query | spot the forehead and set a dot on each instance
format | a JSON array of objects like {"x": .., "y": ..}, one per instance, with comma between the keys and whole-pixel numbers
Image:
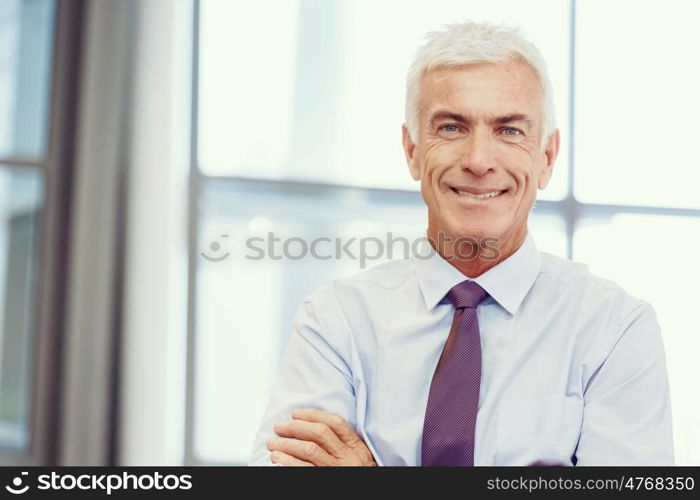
[{"x": 482, "y": 88}]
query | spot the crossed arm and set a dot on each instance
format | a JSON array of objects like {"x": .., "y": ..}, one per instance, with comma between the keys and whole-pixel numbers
[
  {"x": 316, "y": 437},
  {"x": 313, "y": 400}
]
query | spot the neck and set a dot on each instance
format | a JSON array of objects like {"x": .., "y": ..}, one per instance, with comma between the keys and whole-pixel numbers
[{"x": 473, "y": 256}]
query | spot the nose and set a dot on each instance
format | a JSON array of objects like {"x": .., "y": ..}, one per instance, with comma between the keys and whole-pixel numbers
[{"x": 478, "y": 154}]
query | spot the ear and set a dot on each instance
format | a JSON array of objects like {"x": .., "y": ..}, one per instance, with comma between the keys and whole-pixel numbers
[
  {"x": 551, "y": 151},
  {"x": 409, "y": 149}
]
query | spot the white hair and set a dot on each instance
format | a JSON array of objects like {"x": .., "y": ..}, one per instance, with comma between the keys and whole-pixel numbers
[{"x": 469, "y": 42}]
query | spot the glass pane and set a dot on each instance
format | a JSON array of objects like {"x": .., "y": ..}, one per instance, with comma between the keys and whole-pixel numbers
[
  {"x": 323, "y": 98},
  {"x": 248, "y": 290},
  {"x": 636, "y": 99},
  {"x": 549, "y": 233},
  {"x": 20, "y": 203},
  {"x": 26, "y": 33},
  {"x": 655, "y": 258}
]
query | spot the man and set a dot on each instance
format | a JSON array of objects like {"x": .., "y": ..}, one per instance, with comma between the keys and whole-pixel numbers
[{"x": 509, "y": 357}]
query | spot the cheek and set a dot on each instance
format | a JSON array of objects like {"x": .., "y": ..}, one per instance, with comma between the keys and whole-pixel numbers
[
  {"x": 437, "y": 161},
  {"x": 426, "y": 190},
  {"x": 525, "y": 178},
  {"x": 527, "y": 187},
  {"x": 427, "y": 178}
]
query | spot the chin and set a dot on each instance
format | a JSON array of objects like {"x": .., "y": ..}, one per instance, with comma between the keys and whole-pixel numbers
[{"x": 477, "y": 231}]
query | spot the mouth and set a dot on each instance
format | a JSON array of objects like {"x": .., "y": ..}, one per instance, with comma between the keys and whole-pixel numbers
[{"x": 478, "y": 194}]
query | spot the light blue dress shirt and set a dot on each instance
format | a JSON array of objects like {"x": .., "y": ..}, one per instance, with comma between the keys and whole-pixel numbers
[{"x": 573, "y": 367}]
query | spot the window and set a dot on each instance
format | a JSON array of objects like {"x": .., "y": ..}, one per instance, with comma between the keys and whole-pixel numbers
[
  {"x": 634, "y": 120},
  {"x": 20, "y": 206},
  {"x": 300, "y": 138},
  {"x": 26, "y": 38}
]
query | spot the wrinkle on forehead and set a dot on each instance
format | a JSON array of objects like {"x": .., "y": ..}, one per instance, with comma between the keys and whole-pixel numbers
[{"x": 514, "y": 84}]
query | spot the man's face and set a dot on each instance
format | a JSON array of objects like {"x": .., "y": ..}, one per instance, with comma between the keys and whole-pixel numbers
[{"x": 480, "y": 129}]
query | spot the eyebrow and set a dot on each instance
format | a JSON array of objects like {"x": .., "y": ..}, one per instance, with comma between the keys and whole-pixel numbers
[{"x": 498, "y": 120}]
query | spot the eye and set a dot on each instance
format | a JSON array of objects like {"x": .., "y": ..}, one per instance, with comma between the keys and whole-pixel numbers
[
  {"x": 511, "y": 131},
  {"x": 450, "y": 128}
]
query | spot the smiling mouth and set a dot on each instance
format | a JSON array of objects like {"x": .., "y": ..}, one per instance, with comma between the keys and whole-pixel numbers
[{"x": 479, "y": 196}]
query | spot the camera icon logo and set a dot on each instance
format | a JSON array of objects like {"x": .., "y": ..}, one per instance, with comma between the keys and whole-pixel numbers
[{"x": 17, "y": 483}]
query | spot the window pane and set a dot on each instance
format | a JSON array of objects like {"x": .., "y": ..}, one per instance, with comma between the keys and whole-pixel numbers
[
  {"x": 26, "y": 33},
  {"x": 246, "y": 302},
  {"x": 655, "y": 258},
  {"x": 20, "y": 202},
  {"x": 549, "y": 233},
  {"x": 323, "y": 98},
  {"x": 636, "y": 99}
]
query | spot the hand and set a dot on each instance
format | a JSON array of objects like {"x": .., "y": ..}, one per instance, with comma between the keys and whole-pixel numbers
[{"x": 316, "y": 437}]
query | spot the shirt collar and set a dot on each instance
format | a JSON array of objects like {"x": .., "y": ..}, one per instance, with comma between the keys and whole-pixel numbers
[{"x": 507, "y": 282}]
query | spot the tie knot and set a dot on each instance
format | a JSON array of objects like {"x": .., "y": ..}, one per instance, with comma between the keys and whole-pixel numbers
[{"x": 466, "y": 294}]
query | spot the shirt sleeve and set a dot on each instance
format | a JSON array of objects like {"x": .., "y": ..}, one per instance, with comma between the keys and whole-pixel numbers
[
  {"x": 627, "y": 408},
  {"x": 314, "y": 374}
]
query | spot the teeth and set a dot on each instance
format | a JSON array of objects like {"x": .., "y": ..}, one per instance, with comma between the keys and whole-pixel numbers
[{"x": 492, "y": 194}]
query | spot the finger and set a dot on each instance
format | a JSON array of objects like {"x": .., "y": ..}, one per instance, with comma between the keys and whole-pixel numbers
[
  {"x": 319, "y": 433},
  {"x": 336, "y": 423},
  {"x": 307, "y": 451},
  {"x": 279, "y": 457}
]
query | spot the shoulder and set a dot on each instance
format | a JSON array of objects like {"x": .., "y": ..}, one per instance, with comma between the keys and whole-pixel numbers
[
  {"x": 574, "y": 287},
  {"x": 347, "y": 296},
  {"x": 381, "y": 277},
  {"x": 575, "y": 277}
]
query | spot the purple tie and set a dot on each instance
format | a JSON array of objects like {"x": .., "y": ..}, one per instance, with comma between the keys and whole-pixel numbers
[{"x": 453, "y": 401}]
